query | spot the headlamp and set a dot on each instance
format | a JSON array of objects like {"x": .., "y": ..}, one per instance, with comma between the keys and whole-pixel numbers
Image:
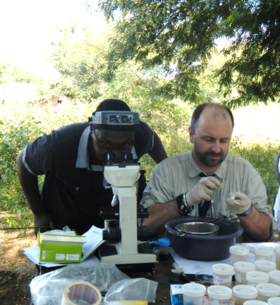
[{"x": 116, "y": 118}]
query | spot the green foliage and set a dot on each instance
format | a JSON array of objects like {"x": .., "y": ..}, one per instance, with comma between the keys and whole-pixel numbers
[
  {"x": 170, "y": 120},
  {"x": 78, "y": 57},
  {"x": 179, "y": 37},
  {"x": 261, "y": 155},
  {"x": 12, "y": 73}
]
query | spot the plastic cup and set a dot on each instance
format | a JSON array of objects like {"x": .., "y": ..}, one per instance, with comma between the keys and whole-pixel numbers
[
  {"x": 164, "y": 244},
  {"x": 193, "y": 293},
  {"x": 242, "y": 293},
  {"x": 273, "y": 301},
  {"x": 256, "y": 277},
  {"x": 222, "y": 274},
  {"x": 254, "y": 302},
  {"x": 265, "y": 266},
  {"x": 238, "y": 254},
  {"x": 277, "y": 256},
  {"x": 263, "y": 253},
  {"x": 267, "y": 290},
  {"x": 219, "y": 295},
  {"x": 274, "y": 277},
  {"x": 241, "y": 269}
]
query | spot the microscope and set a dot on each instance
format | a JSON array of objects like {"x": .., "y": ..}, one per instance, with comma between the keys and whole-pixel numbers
[
  {"x": 123, "y": 232},
  {"x": 126, "y": 240}
]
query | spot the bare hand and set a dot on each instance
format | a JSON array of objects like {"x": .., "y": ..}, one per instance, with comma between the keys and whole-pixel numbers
[{"x": 43, "y": 222}]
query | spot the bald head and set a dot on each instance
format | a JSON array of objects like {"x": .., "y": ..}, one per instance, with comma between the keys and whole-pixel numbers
[
  {"x": 211, "y": 111},
  {"x": 210, "y": 133}
]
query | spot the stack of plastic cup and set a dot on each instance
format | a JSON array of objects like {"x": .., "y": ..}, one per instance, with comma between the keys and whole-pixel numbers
[
  {"x": 222, "y": 274},
  {"x": 267, "y": 290},
  {"x": 273, "y": 301},
  {"x": 242, "y": 293},
  {"x": 265, "y": 266},
  {"x": 241, "y": 269},
  {"x": 263, "y": 253},
  {"x": 277, "y": 256},
  {"x": 274, "y": 277},
  {"x": 219, "y": 295},
  {"x": 238, "y": 254},
  {"x": 254, "y": 302},
  {"x": 256, "y": 277},
  {"x": 193, "y": 293}
]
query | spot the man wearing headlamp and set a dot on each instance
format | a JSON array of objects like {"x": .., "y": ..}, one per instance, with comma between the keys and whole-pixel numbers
[{"x": 72, "y": 158}]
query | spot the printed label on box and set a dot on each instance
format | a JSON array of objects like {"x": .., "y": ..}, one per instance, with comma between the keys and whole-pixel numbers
[
  {"x": 72, "y": 257},
  {"x": 60, "y": 257}
]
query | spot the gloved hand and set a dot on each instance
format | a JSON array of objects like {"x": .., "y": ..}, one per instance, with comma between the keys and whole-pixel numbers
[
  {"x": 238, "y": 203},
  {"x": 203, "y": 190}
]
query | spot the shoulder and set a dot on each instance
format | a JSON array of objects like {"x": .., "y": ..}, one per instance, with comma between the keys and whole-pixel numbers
[
  {"x": 71, "y": 130},
  {"x": 58, "y": 137},
  {"x": 68, "y": 133},
  {"x": 179, "y": 161},
  {"x": 143, "y": 129},
  {"x": 230, "y": 159},
  {"x": 239, "y": 163}
]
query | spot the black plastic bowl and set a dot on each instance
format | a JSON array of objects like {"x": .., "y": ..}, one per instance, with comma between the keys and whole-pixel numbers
[{"x": 203, "y": 247}]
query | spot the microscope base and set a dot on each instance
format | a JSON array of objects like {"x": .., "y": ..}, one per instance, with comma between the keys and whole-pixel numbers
[{"x": 144, "y": 259}]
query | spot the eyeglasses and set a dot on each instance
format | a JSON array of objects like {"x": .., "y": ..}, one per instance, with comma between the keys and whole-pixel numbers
[{"x": 125, "y": 147}]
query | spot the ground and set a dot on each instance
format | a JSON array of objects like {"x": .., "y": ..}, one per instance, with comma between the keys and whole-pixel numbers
[{"x": 16, "y": 270}]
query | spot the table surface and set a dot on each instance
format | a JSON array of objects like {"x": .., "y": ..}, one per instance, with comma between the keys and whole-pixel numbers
[{"x": 160, "y": 274}]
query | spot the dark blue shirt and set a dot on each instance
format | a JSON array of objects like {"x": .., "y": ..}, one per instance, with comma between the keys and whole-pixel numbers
[{"x": 73, "y": 189}]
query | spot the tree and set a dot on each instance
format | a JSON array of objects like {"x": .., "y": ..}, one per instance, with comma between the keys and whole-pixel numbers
[
  {"x": 78, "y": 58},
  {"x": 180, "y": 36},
  {"x": 12, "y": 73}
]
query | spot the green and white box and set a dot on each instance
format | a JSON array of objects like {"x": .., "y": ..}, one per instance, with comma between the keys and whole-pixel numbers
[{"x": 60, "y": 248}]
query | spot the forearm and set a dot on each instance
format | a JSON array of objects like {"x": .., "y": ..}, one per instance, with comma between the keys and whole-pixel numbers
[
  {"x": 257, "y": 225},
  {"x": 29, "y": 184},
  {"x": 159, "y": 214}
]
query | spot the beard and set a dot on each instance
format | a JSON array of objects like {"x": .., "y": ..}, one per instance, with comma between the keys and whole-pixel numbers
[{"x": 203, "y": 157}]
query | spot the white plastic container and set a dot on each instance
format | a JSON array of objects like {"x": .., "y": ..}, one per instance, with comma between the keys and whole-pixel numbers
[
  {"x": 256, "y": 277},
  {"x": 242, "y": 293},
  {"x": 219, "y": 295},
  {"x": 274, "y": 277},
  {"x": 265, "y": 266},
  {"x": 241, "y": 269},
  {"x": 267, "y": 290},
  {"x": 273, "y": 301},
  {"x": 222, "y": 274},
  {"x": 277, "y": 256},
  {"x": 238, "y": 254},
  {"x": 193, "y": 293},
  {"x": 263, "y": 252},
  {"x": 254, "y": 302}
]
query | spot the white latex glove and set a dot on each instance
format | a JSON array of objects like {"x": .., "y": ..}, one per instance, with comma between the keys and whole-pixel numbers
[
  {"x": 203, "y": 190},
  {"x": 238, "y": 203}
]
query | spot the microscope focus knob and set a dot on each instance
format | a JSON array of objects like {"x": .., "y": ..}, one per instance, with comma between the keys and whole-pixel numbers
[{"x": 112, "y": 235}]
